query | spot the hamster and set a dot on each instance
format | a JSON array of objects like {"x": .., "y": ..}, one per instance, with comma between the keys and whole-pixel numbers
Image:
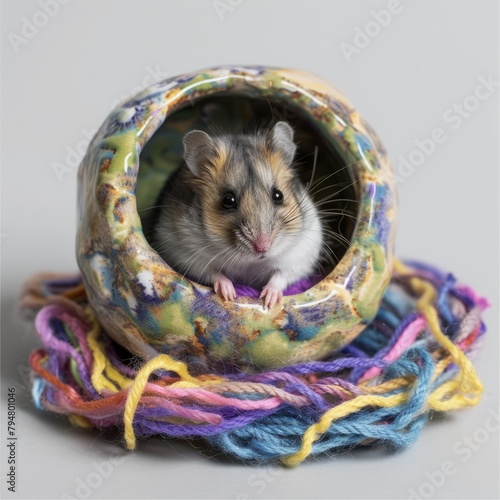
[{"x": 236, "y": 212}]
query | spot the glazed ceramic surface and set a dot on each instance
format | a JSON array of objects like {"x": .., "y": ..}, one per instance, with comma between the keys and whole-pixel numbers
[{"x": 148, "y": 308}]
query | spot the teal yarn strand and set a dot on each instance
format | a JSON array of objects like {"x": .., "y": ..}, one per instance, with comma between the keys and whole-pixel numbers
[{"x": 395, "y": 428}]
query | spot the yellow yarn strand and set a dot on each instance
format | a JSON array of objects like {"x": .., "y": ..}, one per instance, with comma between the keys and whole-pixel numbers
[
  {"x": 463, "y": 390},
  {"x": 314, "y": 432},
  {"x": 115, "y": 376},
  {"x": 160, "y": 362},
  {"x": 99, "y": 381},
  {"x": 80, "y": 421},
  {"x": 103, "y": 372},
  {"x": 386, "y": 387}
]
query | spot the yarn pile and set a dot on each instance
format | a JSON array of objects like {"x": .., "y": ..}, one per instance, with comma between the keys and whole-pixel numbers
[{"x": 411, "y": 360}]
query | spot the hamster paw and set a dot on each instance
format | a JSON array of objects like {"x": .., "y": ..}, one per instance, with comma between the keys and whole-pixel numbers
[
  {"x": 272, "y": 295},
  {"x": 224, "y": 287}
]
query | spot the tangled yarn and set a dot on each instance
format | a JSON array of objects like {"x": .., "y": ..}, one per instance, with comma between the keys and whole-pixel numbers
[{"x": 380, "y": 389}]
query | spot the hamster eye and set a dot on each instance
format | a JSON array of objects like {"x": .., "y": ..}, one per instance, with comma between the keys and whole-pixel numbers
[
  {"x": 229, "y": 201},
  {"x": 277, "y": 196}
]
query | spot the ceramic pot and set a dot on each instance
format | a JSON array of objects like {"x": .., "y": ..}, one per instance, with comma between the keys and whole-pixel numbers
[{"x": 147, "y": 307}]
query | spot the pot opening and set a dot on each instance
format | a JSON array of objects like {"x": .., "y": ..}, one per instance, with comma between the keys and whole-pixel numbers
[{"x": 333, "y": 188}]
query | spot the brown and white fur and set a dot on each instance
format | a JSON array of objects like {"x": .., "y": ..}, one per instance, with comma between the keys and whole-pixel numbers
[{"x": 269, "y": 238}]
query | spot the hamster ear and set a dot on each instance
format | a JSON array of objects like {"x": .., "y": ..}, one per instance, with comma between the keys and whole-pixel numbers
[
  {"x": 281, "y": 139},
  {"x": 198, "y": 149}
]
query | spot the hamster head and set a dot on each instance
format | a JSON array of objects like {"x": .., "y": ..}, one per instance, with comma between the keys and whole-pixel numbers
[{"x": 246, "y": 190}]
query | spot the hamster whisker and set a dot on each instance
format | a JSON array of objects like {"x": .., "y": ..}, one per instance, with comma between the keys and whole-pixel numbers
[
  {"x": 288, "y": 221},
  {"x": 216, "y": 256},
  {"x": 300, "y": 160},
  {"x": 315, "y": 161},
  {"x": 323, "y": 179},
  {"x": 177, "y": 200},
  {"x": 230, "y": 262},
  {"x": 330, "y": 259},
  {"x": 305, "y": 196},
  {"x": 295, "y": 211},
  {"x": 337, "y": 242},
  {"x": 187, "y": 265},
  {"x": 168, "y": 240},
  {"x": 195, "y": 254},
  {"x": 347, "y": 200},
  {"x": 348, "y": 185},
  {"x": 191, "y": 259},
  {"x": 159, "y": 206},
  {"x": 292, "y": 216},
  {"x": 336, "y": 216},
  {"x": 334, "y": 212},
  {"x": 338, "y": 237},
  {"x": 182, "y": 230},
  {"x": 326, "y": 255},
  {"x": 151, "y": 208},
  {"x": 330, "y": 199},
  {"x": 333, "y": 207},
  {"x": 332, "y": 204}
]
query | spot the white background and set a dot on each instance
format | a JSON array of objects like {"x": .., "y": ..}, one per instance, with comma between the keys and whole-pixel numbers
[{"x": 58, "y": 85}]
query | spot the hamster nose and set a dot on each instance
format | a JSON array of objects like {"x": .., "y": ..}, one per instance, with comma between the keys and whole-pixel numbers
[{"x": 262, "y": 243}]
